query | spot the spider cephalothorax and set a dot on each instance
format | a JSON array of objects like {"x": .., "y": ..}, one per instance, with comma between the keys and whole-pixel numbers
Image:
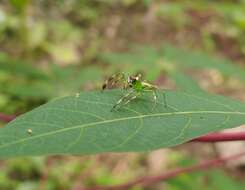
[
  {"x": 134, "y": 84},
  {"x": 132, "y": 80}
]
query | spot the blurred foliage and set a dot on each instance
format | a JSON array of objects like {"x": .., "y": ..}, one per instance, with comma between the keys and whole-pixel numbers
[
  {"x": 173, "y": 62},
  {"x": 60, "y": 47},
  {"x": 58, "y": 173},
  {"x": 213, "y": 179}
]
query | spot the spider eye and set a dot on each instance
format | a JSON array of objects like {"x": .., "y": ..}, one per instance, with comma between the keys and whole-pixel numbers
[{"x": 132, "y": 80}]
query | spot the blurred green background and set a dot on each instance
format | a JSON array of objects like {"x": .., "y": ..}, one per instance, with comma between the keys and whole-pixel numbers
[{"x": 56, "y": 48}]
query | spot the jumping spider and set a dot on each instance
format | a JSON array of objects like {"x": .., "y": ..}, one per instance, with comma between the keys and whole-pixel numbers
[{"x": 134, "y": 84}]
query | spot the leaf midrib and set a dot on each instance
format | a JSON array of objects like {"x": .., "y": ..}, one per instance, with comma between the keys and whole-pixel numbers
[{"x": 119, "y": 119}]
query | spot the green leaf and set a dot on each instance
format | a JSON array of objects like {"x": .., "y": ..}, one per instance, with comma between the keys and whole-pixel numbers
[
  {"x": 20, "y": 68},
  {"x": 19, "y": 4},
  {"x": 185, "y": 83},
  {"x": 219, "y": 180},
  {"x": 138, "y": 55},
  {"x": 140, "y": 58},
  {"x": 190, "y": 59},
  {"x": 37, "y": 89},
  {"x": 85, "y": 124}
]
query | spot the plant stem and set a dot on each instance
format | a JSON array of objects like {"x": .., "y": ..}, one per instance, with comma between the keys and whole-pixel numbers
[
  {"x": 148, "y": 180},
  {"x": 221, "y": 137},
  {"x": 6, "y": 118}
]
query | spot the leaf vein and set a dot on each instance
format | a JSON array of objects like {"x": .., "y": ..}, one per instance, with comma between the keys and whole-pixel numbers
[{"x": 119, "y": 119}]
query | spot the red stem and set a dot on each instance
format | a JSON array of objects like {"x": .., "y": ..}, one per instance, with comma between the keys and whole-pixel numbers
[
  {"x": 148, "y": 180},
  {"x": 6, "y": 118},
  {"x": 221, "y": 137}
]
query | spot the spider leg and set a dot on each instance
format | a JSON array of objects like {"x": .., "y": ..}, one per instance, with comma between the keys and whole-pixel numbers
[
  {"x": 153, "y": 88},
  {"x": 165, "y": 100},
  {"x": 155, "y": 98},
  {"x": 125, "y": 100},
  {"x": 154, "y": 95},
  {"x": 121, "y": 100},
  {"x": 131, "y": 98}
]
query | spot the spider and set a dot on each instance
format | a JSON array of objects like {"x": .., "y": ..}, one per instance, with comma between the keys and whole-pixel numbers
[{"x": 134, "y": 84}]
